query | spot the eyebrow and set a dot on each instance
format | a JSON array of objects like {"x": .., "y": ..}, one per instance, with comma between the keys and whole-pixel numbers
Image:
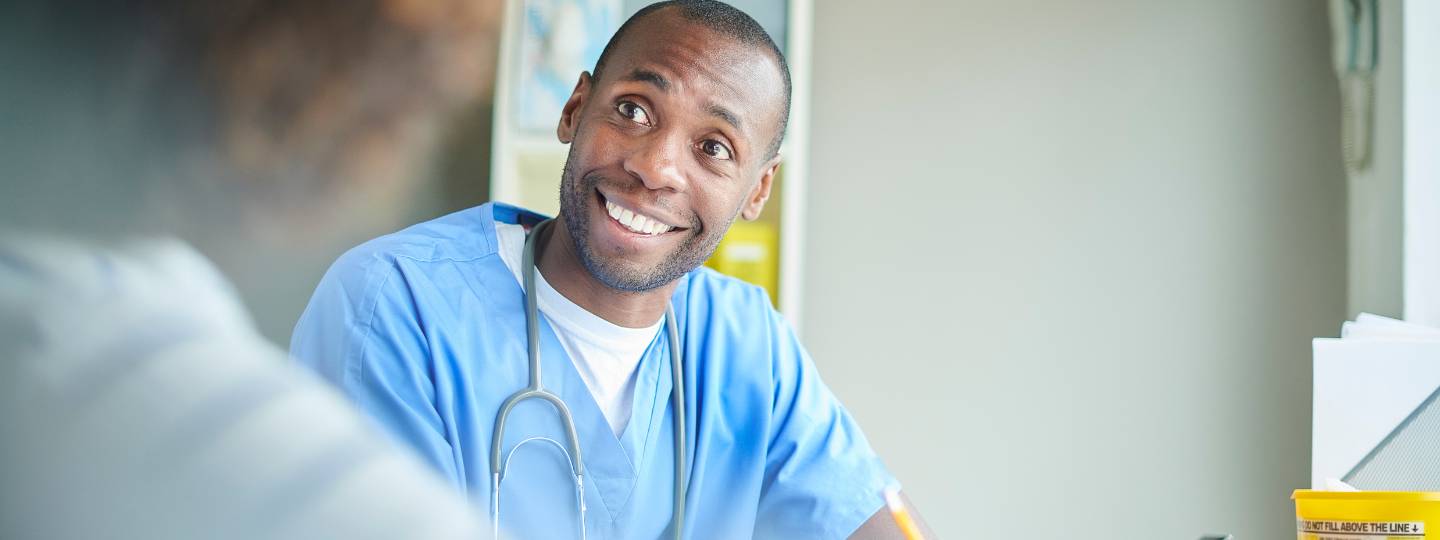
[
  {"x": 726, "y": 115},
  {"x": 647, "y": 76}
]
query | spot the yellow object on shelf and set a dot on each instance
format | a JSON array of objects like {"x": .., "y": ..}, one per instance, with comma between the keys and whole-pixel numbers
[
  {"x": 1367, "y": 515},
  {"x": 750, "y": 251}
]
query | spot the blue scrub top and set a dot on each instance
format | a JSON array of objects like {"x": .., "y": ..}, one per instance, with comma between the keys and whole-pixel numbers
[{"x": 425, "y": 330}]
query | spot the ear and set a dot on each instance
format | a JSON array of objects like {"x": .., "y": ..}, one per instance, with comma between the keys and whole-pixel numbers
[
  {"x": 755, "y": 201},
  {"x": 570, "y": 114}
]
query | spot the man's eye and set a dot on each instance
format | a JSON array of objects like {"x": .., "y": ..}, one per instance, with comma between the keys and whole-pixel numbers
[
  {"x": 714, "y": 149},
  {"x": 634, "y": 112}
]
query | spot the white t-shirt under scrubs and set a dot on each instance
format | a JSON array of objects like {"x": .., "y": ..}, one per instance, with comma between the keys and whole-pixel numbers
[{"x": 607, "y": 355}]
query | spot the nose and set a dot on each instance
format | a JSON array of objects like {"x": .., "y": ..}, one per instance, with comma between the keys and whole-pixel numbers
[{"x": 656, "y": 161}]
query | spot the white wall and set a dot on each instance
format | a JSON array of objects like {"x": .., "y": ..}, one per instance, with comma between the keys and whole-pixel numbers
[
  {"x": 1422, "y": 164},
  {"x": 1065, "y": 259},
  {"x": 1375, "y": 200}
]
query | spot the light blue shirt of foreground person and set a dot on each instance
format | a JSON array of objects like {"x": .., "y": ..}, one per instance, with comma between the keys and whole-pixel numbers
[{"x": 425, "y": 330}]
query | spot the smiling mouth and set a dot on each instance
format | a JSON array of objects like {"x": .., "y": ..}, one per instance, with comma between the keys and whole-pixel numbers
[{"x": 634, "y": 221}]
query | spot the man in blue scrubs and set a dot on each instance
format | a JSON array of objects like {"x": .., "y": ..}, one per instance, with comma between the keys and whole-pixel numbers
[{"x": 674, "y": 136}]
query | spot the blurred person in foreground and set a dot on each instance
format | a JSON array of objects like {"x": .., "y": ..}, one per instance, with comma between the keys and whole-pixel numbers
[
  {"x": 136, "y": 398},
  {"x": 672, "y": 137}
]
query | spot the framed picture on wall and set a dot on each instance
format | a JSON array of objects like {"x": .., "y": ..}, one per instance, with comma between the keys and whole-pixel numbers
[{"x": 560, "y": 38}]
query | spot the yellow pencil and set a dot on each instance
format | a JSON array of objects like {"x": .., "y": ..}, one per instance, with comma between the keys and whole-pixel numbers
[{"x": 902, "y": 515}]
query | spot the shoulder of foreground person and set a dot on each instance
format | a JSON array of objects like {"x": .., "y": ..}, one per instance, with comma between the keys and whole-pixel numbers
[{"x": 139, "y": 402}]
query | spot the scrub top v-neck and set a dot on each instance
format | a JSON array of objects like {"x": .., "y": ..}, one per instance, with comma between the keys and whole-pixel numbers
[{"x": 424, "y": 329}]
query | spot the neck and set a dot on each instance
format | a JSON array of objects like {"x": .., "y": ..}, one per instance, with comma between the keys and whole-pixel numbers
[{"x": 559, "y": 262}]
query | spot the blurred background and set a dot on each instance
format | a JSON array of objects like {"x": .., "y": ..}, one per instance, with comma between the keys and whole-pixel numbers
[{"x": 1062, "y": 260}]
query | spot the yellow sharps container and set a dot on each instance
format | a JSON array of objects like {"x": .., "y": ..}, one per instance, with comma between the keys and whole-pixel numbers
[{"x": 1367, "y": 515}]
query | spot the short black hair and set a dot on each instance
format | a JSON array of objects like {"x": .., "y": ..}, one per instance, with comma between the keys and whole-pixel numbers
[{"x": 722, "y": 18}]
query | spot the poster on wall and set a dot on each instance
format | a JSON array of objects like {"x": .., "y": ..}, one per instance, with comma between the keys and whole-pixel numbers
[{"x": 560, "y": 39}]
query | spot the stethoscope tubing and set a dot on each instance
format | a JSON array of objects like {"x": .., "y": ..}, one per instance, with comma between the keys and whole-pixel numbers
[{"x": 536, "y": 390}]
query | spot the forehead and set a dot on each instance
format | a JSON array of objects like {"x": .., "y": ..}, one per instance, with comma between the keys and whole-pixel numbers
[{"x": 703, "y": 64}]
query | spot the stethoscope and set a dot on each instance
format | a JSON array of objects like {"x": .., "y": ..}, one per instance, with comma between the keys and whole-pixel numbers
[{"x": 537, "y": 391}]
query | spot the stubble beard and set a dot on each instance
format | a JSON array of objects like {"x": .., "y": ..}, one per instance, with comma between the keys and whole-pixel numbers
[{"x": 575, "y": 199}]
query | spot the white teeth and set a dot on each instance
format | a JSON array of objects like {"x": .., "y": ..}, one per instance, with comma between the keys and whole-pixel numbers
[{"x": 635, "y": 222}]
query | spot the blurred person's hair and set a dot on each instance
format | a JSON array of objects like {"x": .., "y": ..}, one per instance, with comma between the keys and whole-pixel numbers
[{"x": 225, "y": 105}]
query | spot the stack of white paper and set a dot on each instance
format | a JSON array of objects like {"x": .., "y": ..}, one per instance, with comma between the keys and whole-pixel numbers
[{"x": 1374, "y": 425}]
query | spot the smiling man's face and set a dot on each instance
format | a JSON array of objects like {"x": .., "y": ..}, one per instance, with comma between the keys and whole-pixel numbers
[{"x": 668, "y": 147}]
